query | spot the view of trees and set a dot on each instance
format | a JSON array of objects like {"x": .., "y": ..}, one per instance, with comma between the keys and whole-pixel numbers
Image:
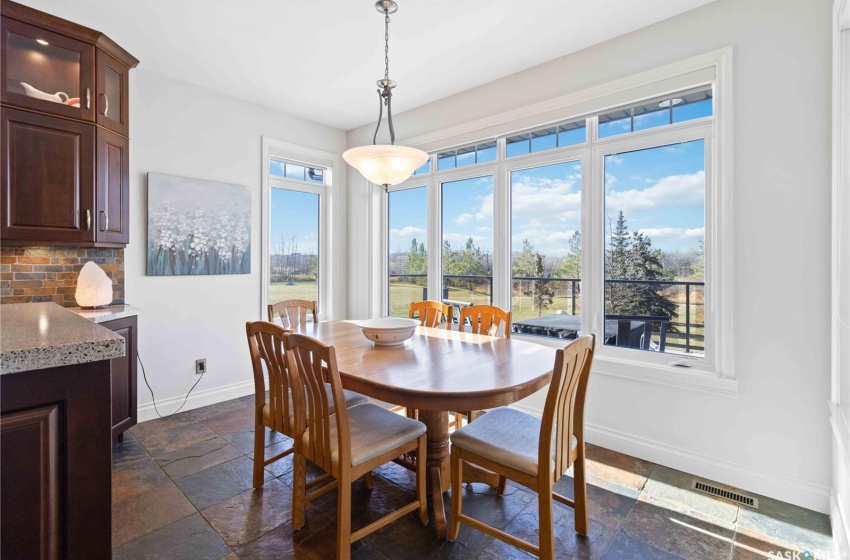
[
  {"x": 629, "y": 256},
  {"x": 530, "y": 264},
  {"x": 289, "y": 265}
]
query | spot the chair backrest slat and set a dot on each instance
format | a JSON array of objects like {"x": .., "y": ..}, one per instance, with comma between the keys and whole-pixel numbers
[
  {"x": 486, "y": 319},
  {"x": 265, "y": 344},
  {"x": 431, "y": 313},
  {"x": 563, "y": 414},
  {"x": 293, "y": 312},
  {"x": 313, "y": 364}
]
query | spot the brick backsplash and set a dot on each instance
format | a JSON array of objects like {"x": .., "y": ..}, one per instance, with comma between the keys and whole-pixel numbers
[{"x": 33, "y": 274}]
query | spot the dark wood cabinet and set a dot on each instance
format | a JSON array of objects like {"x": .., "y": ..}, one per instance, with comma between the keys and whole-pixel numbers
[
  {"x": 46, "y": 71},
  {"x": 65, "y": 98},
  {"x": 113, "y": 110},
  {"x": 113, "y": 188},
  {"x": 55, "y": 463},
  {"x": 47, "y": 178},
  {"x": 124, "y": 389}
]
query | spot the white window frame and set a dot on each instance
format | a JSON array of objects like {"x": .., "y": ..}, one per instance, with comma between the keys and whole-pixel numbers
[
  {"x": 328, "y": 193},
  {"x": 714, "y": 373}
]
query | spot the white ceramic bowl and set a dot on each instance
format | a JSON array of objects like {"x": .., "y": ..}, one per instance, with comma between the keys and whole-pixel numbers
[{"x": 388, "y": 331}]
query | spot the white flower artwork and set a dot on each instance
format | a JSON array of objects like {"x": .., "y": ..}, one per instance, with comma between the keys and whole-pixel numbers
[{"x": 197, "y": 227}]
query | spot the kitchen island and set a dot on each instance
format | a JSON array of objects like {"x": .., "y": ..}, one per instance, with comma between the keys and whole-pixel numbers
[{"x": 55, "y": 433}]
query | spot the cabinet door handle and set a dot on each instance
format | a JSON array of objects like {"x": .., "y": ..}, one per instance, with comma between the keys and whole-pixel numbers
[
  {"x": 105, "y": 104},
  {"x": 88, "y": 98},
  {"x": 88, "y": 220},
  {"x": 105, "y": 217}
]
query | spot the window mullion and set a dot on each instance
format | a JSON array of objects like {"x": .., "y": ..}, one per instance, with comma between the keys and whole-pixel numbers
[
  {"x": 435, "y": 240},
  {"x": 501, "y": 238},
  {"x": 593, "y": 246}
]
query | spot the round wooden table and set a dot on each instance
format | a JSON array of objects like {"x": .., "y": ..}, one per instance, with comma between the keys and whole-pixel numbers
[{"x": 438, "y": 371}]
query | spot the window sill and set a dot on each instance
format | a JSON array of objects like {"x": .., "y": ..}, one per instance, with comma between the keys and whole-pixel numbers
[{"x": 670, "y": 376}]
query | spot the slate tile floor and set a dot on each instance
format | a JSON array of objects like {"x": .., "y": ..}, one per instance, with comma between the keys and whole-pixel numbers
[{"x": 182, "y": 490}]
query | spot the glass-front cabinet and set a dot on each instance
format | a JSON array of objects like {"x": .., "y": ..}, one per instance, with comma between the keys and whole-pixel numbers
[
  {"x": 64, "y": 162},
  {"x": 112, "y": 107},
  {"x": 47, "y": 72}
]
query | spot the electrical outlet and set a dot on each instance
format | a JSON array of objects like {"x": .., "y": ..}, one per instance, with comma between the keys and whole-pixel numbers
[{"x": 200, "y": 366}]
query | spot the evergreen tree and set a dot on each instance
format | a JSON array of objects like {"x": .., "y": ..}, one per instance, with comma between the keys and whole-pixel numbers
[
  {"x": 417, "y": 258},
  {"x": 570, "y": 266},
  {"x": 617, "y": 268},
  {"x": 630, "y": 256},
  {"x": 530, "y": 264},
  {"x": 645, "y": 263}
]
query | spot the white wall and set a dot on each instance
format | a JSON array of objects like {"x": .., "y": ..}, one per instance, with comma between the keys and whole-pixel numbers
[
  {"x": 180, "y": 129},
  {"x": 774, "y": 437}
]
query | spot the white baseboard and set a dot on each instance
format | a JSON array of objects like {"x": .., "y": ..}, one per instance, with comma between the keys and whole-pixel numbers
[
  {"x": 840, "y": 528},
  {"x": 196, "y": 400},
  {"x": 753, "y": 479}
]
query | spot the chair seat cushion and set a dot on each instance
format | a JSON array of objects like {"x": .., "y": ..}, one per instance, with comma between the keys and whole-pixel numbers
[
  {"x": 351, "y": 398},
  {"x": 506, "y": 436},
  {"x": 374, "y": 431}
]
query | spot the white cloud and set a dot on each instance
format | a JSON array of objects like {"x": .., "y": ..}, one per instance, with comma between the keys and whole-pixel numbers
[
  {"x": 458, "y": 240},
  {"x": 409, "y": 231},
  {"x": 546, "y": 201},
  {"x": 681, "y": 234},
  {"x": 485, "y": 211},
  {"x": 400, "y": 238},
  {"x": 675, "y": 190},
  {"x": 463, "y": 219}
]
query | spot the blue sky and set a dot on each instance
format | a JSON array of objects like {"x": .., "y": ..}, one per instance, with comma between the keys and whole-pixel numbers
[
  {"x": 660, "y": 195},
  {"x": 296, "y": 214},
  {"x": 660, "y": 190}
]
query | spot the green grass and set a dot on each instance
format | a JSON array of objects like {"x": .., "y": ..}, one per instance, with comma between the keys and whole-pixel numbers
[
  {"x": 522, "y": 307},
  {"x": 279, "y": 291}
]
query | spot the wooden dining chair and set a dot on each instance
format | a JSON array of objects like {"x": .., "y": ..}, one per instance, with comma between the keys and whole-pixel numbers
[
  {"x": 293, "y": 312},
  {"x": 346, "y": 444},
  {"x": 486, "y": 319},
  {"x": 520, "y": 447},
  {"x": 482, "y": 319},
  {"x": 431, "y": 313},
  {"x": 265, "y": 344}
]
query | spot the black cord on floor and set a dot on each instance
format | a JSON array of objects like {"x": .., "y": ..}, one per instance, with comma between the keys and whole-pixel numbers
[{"x": 145, "y": 377}]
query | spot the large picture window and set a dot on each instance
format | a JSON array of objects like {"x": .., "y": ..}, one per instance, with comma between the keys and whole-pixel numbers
[{"x": 597, "y": 224}]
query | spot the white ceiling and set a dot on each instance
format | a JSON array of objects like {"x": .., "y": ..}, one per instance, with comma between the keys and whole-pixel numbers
[{"x": 319, "y": 59}]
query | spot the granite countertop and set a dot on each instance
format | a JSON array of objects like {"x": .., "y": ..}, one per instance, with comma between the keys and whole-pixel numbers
[
  {"x": 44, "y": 335},
  {"x": 108, "y": 313}
]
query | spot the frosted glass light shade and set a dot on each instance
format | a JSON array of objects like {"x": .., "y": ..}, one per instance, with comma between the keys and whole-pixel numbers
[
  {"x": 385, "y": 164},
  {"x": 94, "y": 288}
]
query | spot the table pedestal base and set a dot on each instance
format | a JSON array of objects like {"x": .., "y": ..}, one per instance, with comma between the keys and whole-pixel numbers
[{"x": 439, "y": 466}]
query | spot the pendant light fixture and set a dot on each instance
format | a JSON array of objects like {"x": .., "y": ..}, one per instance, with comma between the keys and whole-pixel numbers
[{"x": 385, "y": 164}]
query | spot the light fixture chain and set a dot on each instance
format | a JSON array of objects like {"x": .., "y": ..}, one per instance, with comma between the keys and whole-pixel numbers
[{"x": 386, "y": 46}]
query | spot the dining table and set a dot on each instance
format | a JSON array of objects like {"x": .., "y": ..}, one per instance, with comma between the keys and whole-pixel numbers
[{"x": 438, "y": 371}]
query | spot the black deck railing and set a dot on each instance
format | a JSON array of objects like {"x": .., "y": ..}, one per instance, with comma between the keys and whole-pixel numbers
[{"x": 692, "y": 340}]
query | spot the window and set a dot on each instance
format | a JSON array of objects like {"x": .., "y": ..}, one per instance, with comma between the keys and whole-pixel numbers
[
  {"x": 655, "y": 248},
  {"x": 407, "y": 248},
  {"x": 660, "y": 112},
  {"x": 297, "y": 231},
  {"x": 296, "y": 171},
  {"x": 558, "y": 136},
  {"x": 546, "y": 249},
  {"x": 467, "y": 251},
  {"x": 469, "y": 155},
  {"x": 609, "y": 223}
]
